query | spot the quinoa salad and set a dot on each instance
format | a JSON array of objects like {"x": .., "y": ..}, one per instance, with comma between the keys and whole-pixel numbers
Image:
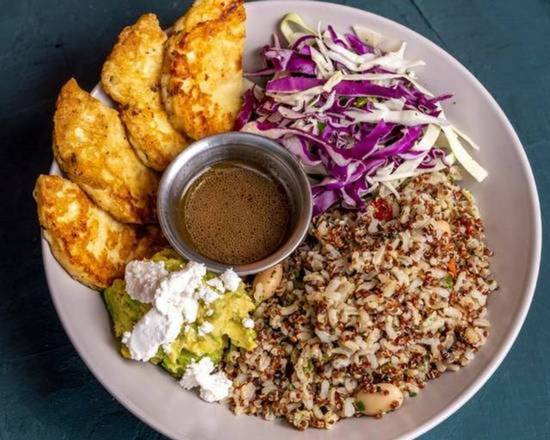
[{"x": 395, "y": 295}]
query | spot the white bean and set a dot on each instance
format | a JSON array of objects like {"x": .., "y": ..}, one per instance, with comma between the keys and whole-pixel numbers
[
  {"x": 386, "y": 398},
  {"x": 443, "y": 226},
  {"x": 266, "y": 282}
]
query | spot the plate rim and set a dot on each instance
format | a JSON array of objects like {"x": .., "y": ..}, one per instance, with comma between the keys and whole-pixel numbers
[{"x": 516, "y": 324}]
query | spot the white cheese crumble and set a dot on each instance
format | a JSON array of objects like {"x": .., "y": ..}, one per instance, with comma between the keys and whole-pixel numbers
[
  {"x": 230, "y": 280},
  {"x": 217, "y": 284},
  {"x": 126, "y": 337},
  {"x": 142, "y": 279},
  {"x": 174, "y": 291},
  {"x": 175, "y": 298},
  {"x": 205, "y": 328},
  {"x": 213, "y": 386},
  {"x": 248, "y": 323},
  {"x": 152, "y": 331},
  {"x": 189, "y": 309},
  {"x": 207, "y": 294},
  {"x": 175, "y": 302}
]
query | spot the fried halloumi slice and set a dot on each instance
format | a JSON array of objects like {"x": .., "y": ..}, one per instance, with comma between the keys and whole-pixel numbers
[
  {"x": 201, "y": 11},
  {"x": 91, "y": 147},
  {"x": 202, "y": 70},
  {"x": 90, "y": 244},
  {"x": 131, "y": 77}
]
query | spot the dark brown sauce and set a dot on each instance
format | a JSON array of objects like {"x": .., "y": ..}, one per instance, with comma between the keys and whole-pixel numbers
[{"x": 234, "y": 213}]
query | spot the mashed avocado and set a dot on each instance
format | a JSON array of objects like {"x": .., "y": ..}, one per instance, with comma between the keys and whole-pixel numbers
[{"x": 225, "y": 314}]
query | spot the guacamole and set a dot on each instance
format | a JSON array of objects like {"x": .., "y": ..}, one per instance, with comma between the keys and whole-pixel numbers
[{"x": 226, "y": 314}]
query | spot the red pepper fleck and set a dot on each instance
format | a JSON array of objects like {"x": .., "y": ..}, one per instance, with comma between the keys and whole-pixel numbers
[
  {"x": 382, "y": 209},
  {"x": 452, "y": 267},
  {"x": 468, "y": 226}
]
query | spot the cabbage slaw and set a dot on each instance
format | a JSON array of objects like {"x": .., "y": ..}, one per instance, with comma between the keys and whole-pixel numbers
[{"x": 350, "y": 108}]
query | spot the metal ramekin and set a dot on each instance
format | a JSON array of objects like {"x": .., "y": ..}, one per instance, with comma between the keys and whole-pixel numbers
[{"x": 270, "y": 156}]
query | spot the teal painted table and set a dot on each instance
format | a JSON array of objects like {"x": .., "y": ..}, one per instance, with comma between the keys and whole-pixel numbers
[{"x": 46, "y": 391}]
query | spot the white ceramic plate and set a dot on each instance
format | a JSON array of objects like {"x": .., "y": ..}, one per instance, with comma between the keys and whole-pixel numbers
[{"x": 509, "y": 205}]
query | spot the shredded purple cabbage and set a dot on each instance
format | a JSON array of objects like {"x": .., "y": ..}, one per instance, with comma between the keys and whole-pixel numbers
[{"x": 305, "y": 112}]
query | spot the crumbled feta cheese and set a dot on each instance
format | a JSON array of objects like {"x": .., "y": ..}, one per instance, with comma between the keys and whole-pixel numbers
[
  {"x": 126, "y": 337},
  {"x": 189, "y": 379},
  {"x": 209, "y": 312},
  {"x": 207, "y": 294},
  {"x": 167, "y": 347},
  {"x": 198, "y": 268},
  {"x": 174, "y": 303},
  {"x": 231, "y": 280},
  {"x": 217, "y": 284},
  {"x": 175, "y": 290},
  {"x": 213, "y": 386},
  {"x": 205, "y": 328},
  {"x": 189, "y": 309},
  {"x": 152, "y": 331},
  {"x": 142, "y": 279},
  {"x": 248, "y": 323}
]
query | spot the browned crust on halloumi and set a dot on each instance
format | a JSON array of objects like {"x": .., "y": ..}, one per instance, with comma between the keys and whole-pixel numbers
[
  {"x": 131, "y": 77},
  {"x": 91, "y": 147},
  {"x": 91, "y": 245},
  {"x": 202, "y": 11},
  {"x": 201, "y": 81}
]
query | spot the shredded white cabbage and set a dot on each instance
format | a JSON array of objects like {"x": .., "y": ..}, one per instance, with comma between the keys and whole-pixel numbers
[
  {"x": 294, "y": 20},
  {"x": 324, "y": 66},
  {"x": 428, "y": 140},
  {"x": 409, "y": 168},
  {"x": 377, "y": 40},
  {"x": 390, "y": 104},
  {"x": 466, "y": 138},
  {"x": 463, "y": 157},
  {"x": 404, "y": 117},
  {"x": 333, "y": 81},
  {"x": 347, "y": 54}
]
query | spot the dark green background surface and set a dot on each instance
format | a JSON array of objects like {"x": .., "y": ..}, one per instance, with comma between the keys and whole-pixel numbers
[{"x": 46, "y": 392}]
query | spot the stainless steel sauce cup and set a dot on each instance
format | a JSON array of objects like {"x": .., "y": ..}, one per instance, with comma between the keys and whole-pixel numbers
[{"x": 253, "y": 149}]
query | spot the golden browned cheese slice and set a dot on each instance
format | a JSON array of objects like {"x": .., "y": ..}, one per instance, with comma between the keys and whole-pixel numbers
[
  {"x": 90, "y": 244},
  {"x": 201, "y": 11},
  {"x": 91, "y": 147},
  {"x": 131, "y": 76},
  {"x": 201, "y": 80}
]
